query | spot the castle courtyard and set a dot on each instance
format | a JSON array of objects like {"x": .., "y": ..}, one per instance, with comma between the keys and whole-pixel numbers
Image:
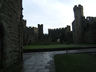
[{"x": 44, "y": 61}]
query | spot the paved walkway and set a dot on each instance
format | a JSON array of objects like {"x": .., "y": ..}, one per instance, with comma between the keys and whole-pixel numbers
[
  {"x": 39, "y": 62},
  {"x": 43, "y": 61}
]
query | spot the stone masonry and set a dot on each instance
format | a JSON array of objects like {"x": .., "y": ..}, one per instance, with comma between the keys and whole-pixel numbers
[
  {"x": 62, "y": 34},
  {"x": 84, "y": 29},
  {"x": 10, "y": 35},
  {"x": 32, "y": 34}
]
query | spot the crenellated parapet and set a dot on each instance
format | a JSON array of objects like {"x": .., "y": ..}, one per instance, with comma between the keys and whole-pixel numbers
[
  {"x": 62, "y": 34},
  {"x": 78, "y": 11}
]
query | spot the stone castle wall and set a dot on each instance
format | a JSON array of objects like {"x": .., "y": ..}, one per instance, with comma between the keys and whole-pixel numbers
[
  {"x": 11, "y": 21},
  {"x": 32, "y": 34},
  {"x": 62, "y": 34},
  {"x": 84, "y": 29}
]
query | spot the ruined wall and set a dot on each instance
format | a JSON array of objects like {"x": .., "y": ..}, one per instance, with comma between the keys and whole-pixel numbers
[
  {"x": 90, "y": 32},
  {"x": 55, "y": 34},
  {"x": 11, "y": 20},
  {"x": 62, "y": 34},
  {"x": 31, "y": 34},
  {"x": 84, "y": 29}
]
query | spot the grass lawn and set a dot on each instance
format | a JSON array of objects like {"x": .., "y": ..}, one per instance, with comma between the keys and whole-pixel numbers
[
  {"x": 54, "y": 46},
  {"x": 75, "y": 63}
]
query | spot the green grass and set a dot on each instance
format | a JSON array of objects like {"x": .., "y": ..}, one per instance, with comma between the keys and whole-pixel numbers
[
  {"x": 53, "y": 46},
  {"x": 75, "y": 63},
  {"x": 48, "y": 46}
]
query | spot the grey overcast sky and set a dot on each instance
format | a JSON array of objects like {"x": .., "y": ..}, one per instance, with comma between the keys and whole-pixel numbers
[{"x": 54, "y": 13}]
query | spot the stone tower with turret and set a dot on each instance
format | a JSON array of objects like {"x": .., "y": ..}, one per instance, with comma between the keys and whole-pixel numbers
[{"x": 77, "y": 24}]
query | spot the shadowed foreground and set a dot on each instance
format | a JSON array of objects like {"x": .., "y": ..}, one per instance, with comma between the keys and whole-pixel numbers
[{"x": 75, "y": 63}]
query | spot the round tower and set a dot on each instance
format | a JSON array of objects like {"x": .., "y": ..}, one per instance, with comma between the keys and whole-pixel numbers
[
  {"x": 78, "y": 11},
  {"x": 77, "y": 24}
]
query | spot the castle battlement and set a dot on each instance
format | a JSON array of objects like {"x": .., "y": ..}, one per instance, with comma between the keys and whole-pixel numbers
[{"x": 84, "y": 29}]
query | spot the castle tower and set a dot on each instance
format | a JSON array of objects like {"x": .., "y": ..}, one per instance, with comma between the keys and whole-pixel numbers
[
  {"x": 40, "y": 31},
  {"x": 78, "y": 11},
  {"x": 77, "y": 23}
]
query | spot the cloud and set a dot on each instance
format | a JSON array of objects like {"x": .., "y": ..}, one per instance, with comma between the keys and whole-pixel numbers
[{"x": 54, "y": 13}]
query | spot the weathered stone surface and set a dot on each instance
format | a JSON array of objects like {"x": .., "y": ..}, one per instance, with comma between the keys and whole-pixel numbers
[
  {"x": 11, "y": 22},
  {"x": 62, "y": 34},
  {"x": 32, "y": 34},
  {"x": 84, "y": 29}
]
